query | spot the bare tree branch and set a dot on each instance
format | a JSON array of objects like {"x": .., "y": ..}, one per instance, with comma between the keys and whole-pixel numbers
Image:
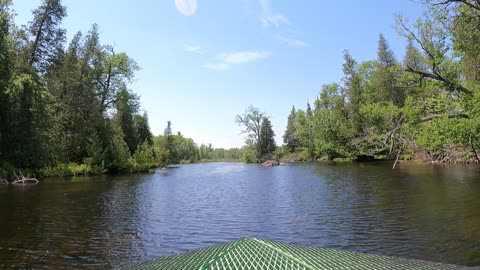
[
  {"x": 436, "y": 76},
  {"x": 451, "y": 116},
  {"x": 475, "y": 5}
]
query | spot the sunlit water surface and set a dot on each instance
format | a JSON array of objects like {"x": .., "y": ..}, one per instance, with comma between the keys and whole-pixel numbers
[{"x": 422, "y": 212}]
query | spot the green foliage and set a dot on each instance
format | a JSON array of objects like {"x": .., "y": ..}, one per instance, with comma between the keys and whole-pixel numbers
[
  {"x": 126, "y": 107},
  {"x": 385, "y": 76},
  {"x": 96, "y": 152},
  {"x": 353, "y": 91},
  {"x": 142, "y": 129},
  {"x": 331, "y": 138},
  {"x": 118, "y": 150},
  {"x": 169, "y": 145},
  {"x": 251, "y": 120},
  {"x": 144, "y": 158},
  {"x": 186, "y": 151},
  {"x": 6, "y": 170},
  {"x": 289, "y": 137},
  {"x": 259, "y": 132},
  {"x": 304, "y": 133},
  {"x": 438, "y": 136},
  {"x": 281, "y": 152},
  {"x": 26, "y": 124},
  {"x": 47, "y": 36},
  {"x": 426, "y": 106},
  {"x": 250, "y": 154},
  {"x": 267, "y": 138},
  {"x": 70, "y": 169},
  {"x": 67, "y": 111}
]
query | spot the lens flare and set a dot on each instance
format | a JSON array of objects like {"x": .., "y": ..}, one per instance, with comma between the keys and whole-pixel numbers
[{"x": 186, "y": 7}]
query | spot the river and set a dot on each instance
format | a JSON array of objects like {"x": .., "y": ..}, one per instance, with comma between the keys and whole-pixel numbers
[{"x": 417, "y": 211}]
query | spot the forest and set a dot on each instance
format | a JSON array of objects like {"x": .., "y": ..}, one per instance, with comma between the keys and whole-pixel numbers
[
  {"x": 67, "y": 109},
  {"x": 425, "y": 106}
]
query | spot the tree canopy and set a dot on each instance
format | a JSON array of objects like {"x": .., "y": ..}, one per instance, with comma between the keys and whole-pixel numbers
[
  {"x": 424, "y": 107},
  {"x": 69, "y": 108},
  {"x": 260, "y": 135}
]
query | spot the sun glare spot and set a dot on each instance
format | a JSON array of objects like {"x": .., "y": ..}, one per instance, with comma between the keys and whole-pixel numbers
[{"x": 186, "y": 7}]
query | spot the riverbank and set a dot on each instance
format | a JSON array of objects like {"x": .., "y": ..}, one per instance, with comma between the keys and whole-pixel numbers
[
  {"x": 73, "y": 169},
  {"x": 67, "y": 170},
  {"x": 406, "y": 159}
]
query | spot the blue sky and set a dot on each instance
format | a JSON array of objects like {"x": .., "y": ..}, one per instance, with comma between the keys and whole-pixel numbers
[{"x": 199, "y": 71}]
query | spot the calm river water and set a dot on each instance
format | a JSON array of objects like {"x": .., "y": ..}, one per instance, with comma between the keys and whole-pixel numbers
[{"x": 422, "y": 212}]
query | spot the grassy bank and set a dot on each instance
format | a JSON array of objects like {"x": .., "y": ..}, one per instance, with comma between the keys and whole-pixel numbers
[
  {"x": 7, "y": 171},
  {"x": 417, "y": 158}
]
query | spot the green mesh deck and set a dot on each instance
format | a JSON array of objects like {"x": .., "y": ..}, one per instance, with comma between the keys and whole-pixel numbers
[{"x": 261, "y": 254}]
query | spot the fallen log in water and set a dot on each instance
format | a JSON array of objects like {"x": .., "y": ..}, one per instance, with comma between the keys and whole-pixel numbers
[
  {"x": 25, "y": 181},
  {"x": 22, "y": 180}
]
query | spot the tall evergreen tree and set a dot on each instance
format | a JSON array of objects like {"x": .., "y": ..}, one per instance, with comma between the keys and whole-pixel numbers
[
  {"x": 267, "y": 137},
  {"x": 387, "y": 74},
  {"x": 309, "y": 109},
  {"x": 142, "y": 128},
  {"x": 413, "y": 58},
  {"x": 119, "y": 153},
  {"x": 126, "y": 108},
  {"x": 353, "y": 89},
  {"x": 304, "y": 132},
  {"x": 289, "y": 137},
  {"x": 48, "y": 36},
  {"x": 169, "y": 144}
]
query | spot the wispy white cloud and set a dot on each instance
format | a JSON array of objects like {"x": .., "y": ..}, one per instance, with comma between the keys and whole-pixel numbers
[
  {"x": 193, "y": 49},
  {"x": 274, "y": 20},
  {"x": 293, "y": 42},
  {"x": 242, "y": 57},
  {"x": 218, "y": 66},
  {"x": 270, "y": 18},
  {"x": 225, "y": 61}
]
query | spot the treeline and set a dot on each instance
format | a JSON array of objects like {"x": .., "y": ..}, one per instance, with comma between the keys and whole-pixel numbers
[
  {"x": 67, "y": 109},
  {"x": 426, "y": 106},
  {"x": 65, "y": 105},
  {"x": 176, "y": 149}
]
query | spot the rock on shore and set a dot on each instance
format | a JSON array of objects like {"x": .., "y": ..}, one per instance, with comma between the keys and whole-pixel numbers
[{"x": 271, "y": 163}]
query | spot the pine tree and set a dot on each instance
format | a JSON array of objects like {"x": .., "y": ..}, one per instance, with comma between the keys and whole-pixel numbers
[
  {"x": 127, "y": 106},
  {"x": 309, "y": 109},
  {"x": 119, "y": 152},
  {"x": 353, "y": 89},
  {"x": 289, "y": 137},
  {"x": 142, "y": 129},
  {"x": 413, "y": 58},
  {"x": 267, "y": 137},
  {"x": 169, "y": 144},
  {"x": 385, "y": 55},
  {"x": 48, "y": 37},
  {"x": 387, "y": 74}
]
